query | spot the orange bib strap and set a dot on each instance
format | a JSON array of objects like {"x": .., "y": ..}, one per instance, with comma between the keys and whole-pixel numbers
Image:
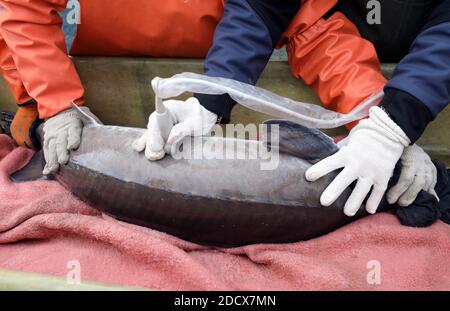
[{"x": 310, "y": 12}]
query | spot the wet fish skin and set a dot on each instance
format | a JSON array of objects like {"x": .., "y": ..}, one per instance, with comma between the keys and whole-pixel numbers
[
  {"x": 223, "y": 203},
  {"x": 217, "y": 202}
]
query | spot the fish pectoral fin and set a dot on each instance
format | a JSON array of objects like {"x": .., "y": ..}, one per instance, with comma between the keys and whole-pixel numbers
[
  {"x": 32, "y": 171},
  {"x": 292, "y": 138}
]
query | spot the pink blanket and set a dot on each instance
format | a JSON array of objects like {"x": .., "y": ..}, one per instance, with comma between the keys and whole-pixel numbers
[{"x": 43, "y": 227}]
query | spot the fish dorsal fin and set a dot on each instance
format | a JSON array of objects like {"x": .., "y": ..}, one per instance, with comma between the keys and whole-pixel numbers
[
  {"x": 87, "y": 119},
  {"x": 295, "y": 139},
  {"x": 32, "y": 171}
]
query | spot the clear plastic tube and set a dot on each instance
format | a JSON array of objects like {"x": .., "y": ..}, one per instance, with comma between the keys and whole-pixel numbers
[{"x": 261, "y": 100}]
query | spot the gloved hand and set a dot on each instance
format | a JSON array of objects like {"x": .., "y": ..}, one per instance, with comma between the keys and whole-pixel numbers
[
  {"x": 189, "y": 118},
  {"x": 25, "y": 121},
  {"x": 62, "y": 133},
  {"x": 373, "y": 148},
  {"x": 418, "y": 173}
]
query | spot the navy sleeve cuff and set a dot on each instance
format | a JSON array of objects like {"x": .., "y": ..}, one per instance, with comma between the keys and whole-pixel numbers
[
  {"x": 219, "y": 104},
  {"x": 407, "y": 112}
]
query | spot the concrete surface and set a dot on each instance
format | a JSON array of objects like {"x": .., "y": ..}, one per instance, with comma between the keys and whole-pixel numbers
[{"x": 24, "y": 281}]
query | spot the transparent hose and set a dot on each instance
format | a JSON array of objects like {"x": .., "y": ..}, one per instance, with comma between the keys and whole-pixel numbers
[{"x": 261, "y": 100}]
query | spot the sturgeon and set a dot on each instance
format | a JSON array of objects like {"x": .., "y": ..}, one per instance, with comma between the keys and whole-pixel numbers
[{"x": 214, "y": 202}]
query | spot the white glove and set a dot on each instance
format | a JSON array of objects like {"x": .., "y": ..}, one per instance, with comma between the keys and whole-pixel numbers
[
  {"x": 62, "y": 133},
  {"x": 189, "y": 118},
  {"x": 418, "y": 173},
  {"x": 374, "y": 147}
]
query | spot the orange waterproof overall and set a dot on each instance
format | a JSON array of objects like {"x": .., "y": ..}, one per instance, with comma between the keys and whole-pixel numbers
[
  {"x": 329, "y": 55},
  {"x": 27, "y": 113}
]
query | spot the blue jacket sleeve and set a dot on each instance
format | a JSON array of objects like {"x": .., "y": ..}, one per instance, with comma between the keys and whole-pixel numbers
[
  {"x": 420, "y": 86},
  {"x": 243, "y": 43}
]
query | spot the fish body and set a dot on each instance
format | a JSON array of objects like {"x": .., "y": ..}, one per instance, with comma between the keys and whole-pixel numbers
[{"x": 217, "y": 202}]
